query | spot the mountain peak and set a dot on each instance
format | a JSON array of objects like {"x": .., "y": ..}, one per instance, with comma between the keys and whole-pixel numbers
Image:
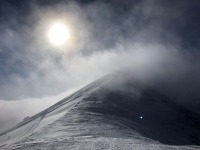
[{"x": 110, "y": 110}]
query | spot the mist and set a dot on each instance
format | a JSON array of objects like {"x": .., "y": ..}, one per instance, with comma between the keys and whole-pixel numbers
[{"x": 142, "y": 39}]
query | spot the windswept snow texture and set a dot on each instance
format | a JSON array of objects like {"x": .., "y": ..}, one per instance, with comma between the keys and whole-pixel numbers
[{"x": 108, "y": 114}]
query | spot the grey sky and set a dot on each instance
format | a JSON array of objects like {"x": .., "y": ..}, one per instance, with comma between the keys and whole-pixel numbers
[
  {"x": 31, "y": 67},
  {"x": 157, "y": 41}
]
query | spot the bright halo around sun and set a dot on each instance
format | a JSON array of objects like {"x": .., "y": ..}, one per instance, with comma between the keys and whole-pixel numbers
[{"x": 58, "y": 34}]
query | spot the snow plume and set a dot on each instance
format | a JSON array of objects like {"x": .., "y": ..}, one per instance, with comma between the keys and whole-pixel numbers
[{"x": 141, "y": 38}]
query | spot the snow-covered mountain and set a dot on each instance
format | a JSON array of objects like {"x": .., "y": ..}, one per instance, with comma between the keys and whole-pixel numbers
[{"x": 110, "y": 113}]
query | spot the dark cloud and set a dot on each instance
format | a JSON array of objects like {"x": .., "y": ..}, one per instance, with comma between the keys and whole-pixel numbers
[{"x": 156, "y": 40}]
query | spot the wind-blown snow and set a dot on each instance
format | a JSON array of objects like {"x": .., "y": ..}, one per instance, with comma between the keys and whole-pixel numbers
[{"x": 83, "y": 121}]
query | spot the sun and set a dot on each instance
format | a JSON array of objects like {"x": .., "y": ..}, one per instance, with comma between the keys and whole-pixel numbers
[{"x": 58, "y": 34}]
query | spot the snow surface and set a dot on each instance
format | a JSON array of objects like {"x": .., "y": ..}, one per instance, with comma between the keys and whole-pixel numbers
[
  {"x": 70, "y": 125},
  {"x": 16, "y": 111}
]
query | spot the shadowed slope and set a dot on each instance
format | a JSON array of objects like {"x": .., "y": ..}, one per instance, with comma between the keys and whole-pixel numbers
[{"x": 113, "y": 112}]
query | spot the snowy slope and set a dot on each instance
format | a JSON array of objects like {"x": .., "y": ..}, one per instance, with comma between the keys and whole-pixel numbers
[
  {"x": 28, "y": 126},
  {"x": 16, "y": 111},
  {"x": 101, "y": 116}
]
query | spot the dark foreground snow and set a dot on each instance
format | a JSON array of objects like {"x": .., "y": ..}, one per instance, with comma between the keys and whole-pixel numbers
[{"x": 108, "y": 114}]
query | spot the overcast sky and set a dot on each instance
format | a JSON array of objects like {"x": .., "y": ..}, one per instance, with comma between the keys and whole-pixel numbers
[
  {"x": 156, "y": 40},
  {"x": 103, "y": 32}
]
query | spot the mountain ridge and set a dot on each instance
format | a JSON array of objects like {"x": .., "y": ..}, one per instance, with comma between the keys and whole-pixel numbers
[{"x": 111, "y": 108}]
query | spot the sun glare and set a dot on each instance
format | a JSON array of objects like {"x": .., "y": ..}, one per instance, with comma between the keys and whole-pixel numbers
[{"x": 58, "y": 34}]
